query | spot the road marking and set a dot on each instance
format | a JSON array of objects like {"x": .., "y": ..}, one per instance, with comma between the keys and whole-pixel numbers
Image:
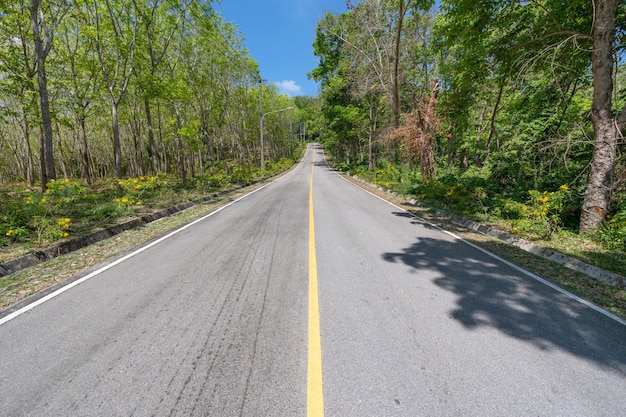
[
  {"x": 61, "y": 290},
  {"x": 504, "y": 261},
  {"x": 315, "y": 393}
]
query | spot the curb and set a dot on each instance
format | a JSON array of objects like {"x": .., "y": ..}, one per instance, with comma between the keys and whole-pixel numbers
[
  {"x": 600, "y": 274},
  {"x": 34, "y": 258}
]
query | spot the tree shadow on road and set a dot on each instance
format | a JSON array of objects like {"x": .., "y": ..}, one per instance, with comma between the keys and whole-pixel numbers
[
  {"x": 324, "y": 164},
  {"x": 496, "y": 295}
]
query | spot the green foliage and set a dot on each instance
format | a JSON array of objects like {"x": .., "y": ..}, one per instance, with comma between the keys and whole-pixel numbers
[
  {"x": 217, "y": 180},
  {"x": 44, "y": 217},
  {"x": 275, "y": 167},
  {"x": 473, "y": 194},
  {"x": 65, "y": 208},
  {"x": 541, "y": 214},
  {"x": 135, "y": 190},
  {"x": 49, "y": 230},
  {"x": 612, "y": 233},
  {"x": 515, "y": 99},
  {"x": 459, "y": 193},
  {"x": 105, "y": 212},
  {"x": 69, "y": 208},
  {"x": 243, "y": 175},
  {"x": 224, "y": 175},
  {"x": 388, "y": 175},
  {"x": 175, "y": 76}
]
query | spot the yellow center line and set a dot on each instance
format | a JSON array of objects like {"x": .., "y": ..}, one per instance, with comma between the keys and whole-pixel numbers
[{"x": 315, "y": 393}]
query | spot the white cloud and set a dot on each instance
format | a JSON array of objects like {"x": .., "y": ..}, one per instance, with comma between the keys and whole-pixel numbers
[{"x": 289, "y": 87}]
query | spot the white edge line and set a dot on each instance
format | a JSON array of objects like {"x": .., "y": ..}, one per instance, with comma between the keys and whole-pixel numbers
[
  {"x": 61, "y": 290},
  {"x": 504, "y": 261}
]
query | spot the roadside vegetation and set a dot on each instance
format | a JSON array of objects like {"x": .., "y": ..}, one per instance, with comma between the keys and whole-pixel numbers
[
  {"x": 32, "y": 219},
  {"x": 546, "y": 217},
  {"x": 609, "y": 297},
  {"x": 109, "y": 110}
]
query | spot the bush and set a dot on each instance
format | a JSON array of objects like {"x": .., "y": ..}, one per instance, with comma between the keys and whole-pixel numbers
[
  {"x": 104, "y": 212},
  {"x": 137, "y": 189},
  {"x": 46, "y": 217},
  {"x": 612, "y": 233},
  {"x": 467, "y": 194},
  {"x": 40, "y": 215},
  {"x": 388, "y": 175},
  {"x": 242, "y": 175},
  {"x": 541, "y": 214}
]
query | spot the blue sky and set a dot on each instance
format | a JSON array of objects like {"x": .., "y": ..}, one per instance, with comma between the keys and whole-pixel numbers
[{"x": 279, "y": 35}]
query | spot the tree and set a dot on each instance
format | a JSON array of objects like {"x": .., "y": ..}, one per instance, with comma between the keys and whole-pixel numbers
[
  {"x": 176, "y": 80},
  {"x": 419, "y": 130},
  {"x": 18, "y": 68},
  {"x": 80, "y": 77},
  {"x": 115, "y": 41},
  {"x": 380, "y": 50},
  {"x": 159, "y": 22},
  {"x": 492, "y": 40},
  {"x": 342, "y": 112},
  {"x": 43, "y": 36},
  {"x": 598, "y": 194}
]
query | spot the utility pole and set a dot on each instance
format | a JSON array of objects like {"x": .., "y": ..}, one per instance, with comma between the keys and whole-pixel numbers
[
  {"x": 261, "y": 81},
  {"x": 261, "y": 117}
]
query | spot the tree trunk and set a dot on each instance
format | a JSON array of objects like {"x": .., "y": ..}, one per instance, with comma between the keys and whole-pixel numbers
[
  {"x": 29, "y": 174},
  {"x": 370, "y": 136},
  {"x": 139, "y": 161},
  {"x": 85, "y": 157},
  {"x": 396, "y": 65},
  {"x": 153, "y": 149},
  {"x": 42, "y": 164},
  {"x": 598, "y": 195},
  {"x": 62, "y": 157},
  {"x": 160, "y": 145},
  {"x": 428, "y": 126},
  {"x": 492, "y": 122},
  {"x": 181, "y": 149},
  {"x": 43, "y": 93},
  {"x": 117, "y": 146}
]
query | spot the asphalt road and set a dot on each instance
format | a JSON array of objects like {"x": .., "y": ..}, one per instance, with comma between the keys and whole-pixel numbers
[{"x": 214, "y": 321}]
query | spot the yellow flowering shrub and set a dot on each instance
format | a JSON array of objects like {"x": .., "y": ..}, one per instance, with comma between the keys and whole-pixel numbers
[{"x": 540, "y": 214}]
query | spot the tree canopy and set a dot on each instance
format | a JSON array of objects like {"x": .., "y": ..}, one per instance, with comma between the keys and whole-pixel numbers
[
  {"x": 526, "y": 95},
  {"x": 123, "y": 88}
]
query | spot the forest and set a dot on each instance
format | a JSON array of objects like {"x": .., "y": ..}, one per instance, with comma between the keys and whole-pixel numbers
[
  {"x": 511, "y": 112},
  {"x": 167, "y": 86},
  {"x": 497, "y": 109},
  {"x": 104, "y": 104}
]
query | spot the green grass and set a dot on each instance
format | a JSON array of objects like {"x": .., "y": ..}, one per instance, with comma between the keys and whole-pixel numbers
[{"x": 31, "y": 219}]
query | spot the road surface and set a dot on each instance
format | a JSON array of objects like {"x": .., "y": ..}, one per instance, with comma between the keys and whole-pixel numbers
[{"x": 247, "y": 312}]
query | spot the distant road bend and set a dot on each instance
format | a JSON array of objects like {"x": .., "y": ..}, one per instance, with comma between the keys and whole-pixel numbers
[{"x": 311, "y": 297}]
